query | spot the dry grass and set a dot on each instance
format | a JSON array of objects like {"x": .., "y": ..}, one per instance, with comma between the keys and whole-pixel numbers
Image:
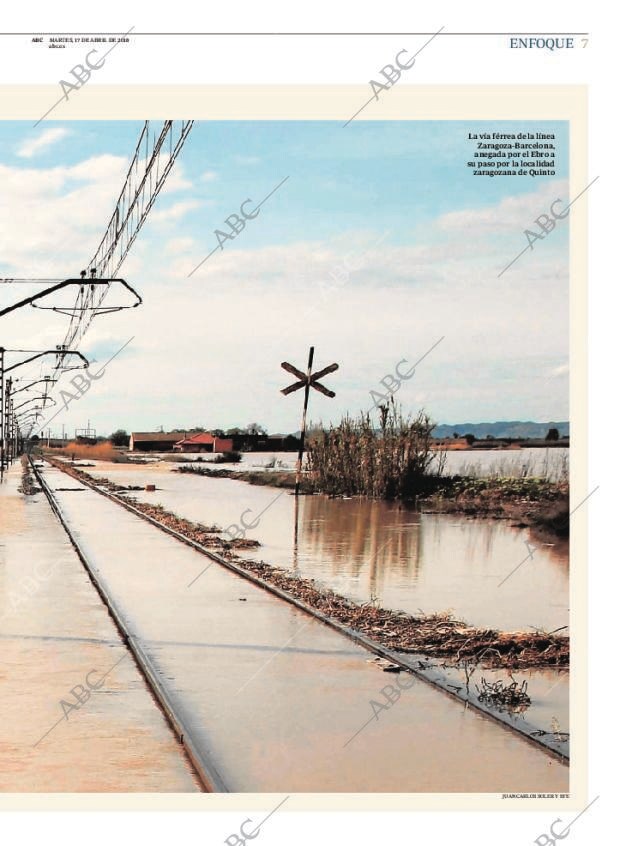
[
  {"x": 95, "y": 452},
  {"x": 355, "y": 458},
  {"x": 526, "y": 500}
]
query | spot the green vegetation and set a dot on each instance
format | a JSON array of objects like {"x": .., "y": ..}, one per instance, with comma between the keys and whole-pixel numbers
[{"x": 119, "y": 438}]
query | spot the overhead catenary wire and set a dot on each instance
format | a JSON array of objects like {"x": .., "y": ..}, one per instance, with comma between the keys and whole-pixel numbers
[
  {"x": 9, "y": 280},
  {"x": 145, "y": 178},
  {"x": 150, "y": 165}
]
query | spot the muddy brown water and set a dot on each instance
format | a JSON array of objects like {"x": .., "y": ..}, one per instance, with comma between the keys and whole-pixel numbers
[
  {"x": 551, "y": 463},
  {"x": 275, "y": 696},
  {"x": 54, "y": 634},
  {"x": 377, "y": 550},
  {"x": 403, "y": 559}
]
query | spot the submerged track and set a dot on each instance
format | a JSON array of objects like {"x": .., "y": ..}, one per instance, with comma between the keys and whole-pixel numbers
[
  {"x": 414, "y": 664},
  {"x": 207, "y": 773}
]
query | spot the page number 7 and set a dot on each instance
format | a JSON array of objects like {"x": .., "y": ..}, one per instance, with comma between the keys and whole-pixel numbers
[{"x": 584, "y": 42}]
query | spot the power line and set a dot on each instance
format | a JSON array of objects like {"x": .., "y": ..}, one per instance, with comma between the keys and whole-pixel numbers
[
  {"x": 155, "y": 153},
  {"x": 153, "y": 159}
]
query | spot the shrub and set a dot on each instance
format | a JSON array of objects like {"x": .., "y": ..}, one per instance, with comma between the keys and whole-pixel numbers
[
  {"x": 231, "y": 457},
  {"x": 391, "y": 462},
  {"x": 100, "y": 452}
]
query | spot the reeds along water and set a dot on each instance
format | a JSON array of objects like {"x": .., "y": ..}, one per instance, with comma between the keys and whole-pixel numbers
[
  {"x": 103, "y": 451},
  {"x": 357, "y": 458}
]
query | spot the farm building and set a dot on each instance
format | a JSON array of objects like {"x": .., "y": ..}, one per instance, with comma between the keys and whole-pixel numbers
[
  {"x": 204, "y": 442},
  {"x": 154, "y": 441},
  {"x": 245, "y": 442}
]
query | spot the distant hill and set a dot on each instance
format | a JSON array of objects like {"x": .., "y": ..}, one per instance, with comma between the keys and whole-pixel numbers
[{"x": 502, "y": 429}]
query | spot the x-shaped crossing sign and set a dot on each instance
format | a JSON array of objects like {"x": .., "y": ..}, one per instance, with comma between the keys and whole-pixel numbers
[
  {"x": 311, "y": 379},
  {"x": 306, "y": 380}
]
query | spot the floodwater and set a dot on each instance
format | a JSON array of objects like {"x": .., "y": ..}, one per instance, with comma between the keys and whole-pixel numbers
[
  {"x": 280, "y": 701},
  {"x": 372, "y": 550},
  {"x": 551, "y": 463},
  {"x": 547, "y": 688},
  {"x": 54, "y": 635}
]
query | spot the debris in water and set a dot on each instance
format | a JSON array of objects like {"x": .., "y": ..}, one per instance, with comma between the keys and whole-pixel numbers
[
  {"x": 504, "y": 697},
  {"x": 436, "y": 635},
  {"x": 27, "y": 486},
  {"x": 385, "y": 665}
]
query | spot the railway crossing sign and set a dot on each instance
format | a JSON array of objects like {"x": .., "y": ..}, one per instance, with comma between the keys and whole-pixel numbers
[
  {"x": 312, "y": 379},
  {"x": 306, "y": 380}
]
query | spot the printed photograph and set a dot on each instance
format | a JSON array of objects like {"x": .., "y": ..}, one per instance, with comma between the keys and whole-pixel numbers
[{"x": 284, "y": 454}]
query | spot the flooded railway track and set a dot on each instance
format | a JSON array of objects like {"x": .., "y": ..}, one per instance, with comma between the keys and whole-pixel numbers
[
  {"x": 208, "y": 775},
  {"x": 419, "y": 665}
]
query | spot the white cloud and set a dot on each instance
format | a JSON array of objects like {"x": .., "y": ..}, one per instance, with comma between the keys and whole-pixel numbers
[
  {"x": 45, "y": 139},
  {"x": 52, "y": 219},
  {"x": 501, "y": 340},
  {"x": 174, "y": 212},
  {"x": 176, "y": 179},
  {"x": 208, "y": 176},
  {"x": 512, "y": 213}
]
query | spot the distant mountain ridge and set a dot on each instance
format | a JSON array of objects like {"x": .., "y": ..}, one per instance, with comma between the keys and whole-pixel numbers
[{"x": 501, "y": 429}]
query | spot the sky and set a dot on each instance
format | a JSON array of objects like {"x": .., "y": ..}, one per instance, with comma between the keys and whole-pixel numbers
[{"x": 378, "y": 245}]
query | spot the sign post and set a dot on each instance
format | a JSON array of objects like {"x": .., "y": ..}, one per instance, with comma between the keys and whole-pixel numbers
[{"x": 306, "y": 381}]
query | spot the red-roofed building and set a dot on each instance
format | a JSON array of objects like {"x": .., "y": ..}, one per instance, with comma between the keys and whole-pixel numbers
[{"x": 204, "y": 442}]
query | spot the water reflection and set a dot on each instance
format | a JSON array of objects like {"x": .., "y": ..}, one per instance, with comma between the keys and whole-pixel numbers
[
  {"x": 430, "y": 562},
  {"x": 273, "y": 694},
  {"x": 366, "y": 549},
  {"x": 357, "y": 536}
]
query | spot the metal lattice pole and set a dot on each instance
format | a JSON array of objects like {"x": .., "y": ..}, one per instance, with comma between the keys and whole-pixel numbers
[{"x": 1, "y": 410}]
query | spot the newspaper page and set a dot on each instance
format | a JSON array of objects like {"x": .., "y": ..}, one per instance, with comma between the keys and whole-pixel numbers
[{"x": 296, "y": 496}]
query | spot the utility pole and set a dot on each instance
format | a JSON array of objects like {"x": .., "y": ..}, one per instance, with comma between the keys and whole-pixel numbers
[
  {"x": 1, "y": 410},
  {"x": 8, "y": 424}
]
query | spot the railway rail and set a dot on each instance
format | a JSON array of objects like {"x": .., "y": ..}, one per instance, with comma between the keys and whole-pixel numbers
[
  {"x": 209, "y": 777},
  {"x": 556, "y": 745}
]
